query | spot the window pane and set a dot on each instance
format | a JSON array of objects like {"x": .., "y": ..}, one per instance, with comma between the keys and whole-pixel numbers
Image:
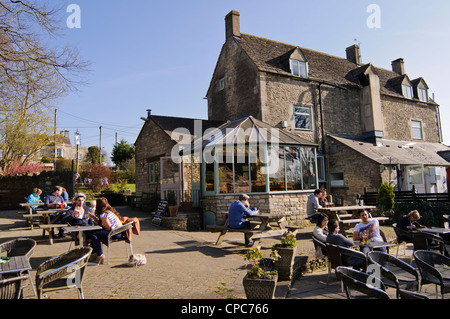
[
  {"x": 257, "y": 169},
  {"x": 295, "y": 68},
  {"x": 308, "y": 164},
  {"x": 241, "y": 169},
  {"x": 337, "y": 179},
  {"x": 407, "y": 91},
  {"x": 303, "y": 70},
  {"x": 423, "y": 95},
  {"x": 416, "y": 127},
  {"x": 226, "y": 171},
  {"x": 276, "y": 179},
  {"x": 302, "y": 116},
  {"x": 415, "y": 175},
  {"x": 293, "y": 168}
]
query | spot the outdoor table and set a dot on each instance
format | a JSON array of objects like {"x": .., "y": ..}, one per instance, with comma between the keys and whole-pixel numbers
[
  {"x": 435, "y": 230},
  {"x": 345, "y": 219},
  {"x": 373, "y": 244},
  {"x": 15, "y": 264},
  {"x": 49, "y": 224},
  {"x": 81, "y": 229},
  {"x": 29, "y": 212},
  {"x": 264, "y": 229}
]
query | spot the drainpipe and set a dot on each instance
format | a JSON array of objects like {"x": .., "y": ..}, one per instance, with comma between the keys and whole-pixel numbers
[{"x": 323, "y": 128}]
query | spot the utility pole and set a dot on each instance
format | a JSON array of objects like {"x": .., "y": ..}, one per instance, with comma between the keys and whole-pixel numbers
[
  {"x": 54, "y": 141},
  {"x": 100, "y": 148}
]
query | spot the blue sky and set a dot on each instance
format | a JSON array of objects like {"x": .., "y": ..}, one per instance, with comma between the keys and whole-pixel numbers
[{"x": 160, "y": 55}]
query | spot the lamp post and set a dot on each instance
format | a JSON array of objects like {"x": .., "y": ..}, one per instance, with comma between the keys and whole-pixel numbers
[{"x": 77, "y": 142}]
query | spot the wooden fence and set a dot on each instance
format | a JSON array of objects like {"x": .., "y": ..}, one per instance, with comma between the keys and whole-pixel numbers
[{"x": 370, "y": 198}]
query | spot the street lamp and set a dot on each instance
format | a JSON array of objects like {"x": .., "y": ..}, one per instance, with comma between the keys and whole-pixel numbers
[{"x": 77, "y": 142}]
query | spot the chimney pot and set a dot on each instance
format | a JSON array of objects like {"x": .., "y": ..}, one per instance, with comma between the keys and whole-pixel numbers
[
  {"x": 398, "y": 66},
  {"x": 354, "y": 54},
  {"x": 232, "y": 25},
  {"x": 149, "y": 112}
]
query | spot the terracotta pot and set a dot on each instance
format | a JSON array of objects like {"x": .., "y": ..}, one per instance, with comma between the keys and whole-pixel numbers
[{"x": 173, "y": 211}]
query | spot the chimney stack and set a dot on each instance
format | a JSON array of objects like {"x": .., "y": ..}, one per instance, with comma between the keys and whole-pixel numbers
[
  {"x": 232, "y": 25},
  {"x": 149, "y": 112},
  {"x": 354, "y": 54},
  {"x": 398, "y": 66}
]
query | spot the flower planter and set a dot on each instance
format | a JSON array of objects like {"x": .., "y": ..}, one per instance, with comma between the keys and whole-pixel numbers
[
  {"x": 284, "y": 265},
  {"x": 260, "y": 288}
]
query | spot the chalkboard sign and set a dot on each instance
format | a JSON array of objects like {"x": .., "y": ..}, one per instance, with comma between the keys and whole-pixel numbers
[{"x": 160, "y": 211}]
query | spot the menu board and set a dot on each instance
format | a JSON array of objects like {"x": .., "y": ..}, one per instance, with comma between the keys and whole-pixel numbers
[{"x": 160, "y": 211}]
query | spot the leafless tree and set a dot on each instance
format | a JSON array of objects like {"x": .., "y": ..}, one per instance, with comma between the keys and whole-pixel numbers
[{"x": 33, "y": 76}]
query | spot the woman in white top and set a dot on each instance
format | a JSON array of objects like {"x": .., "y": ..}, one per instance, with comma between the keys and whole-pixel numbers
[{"x": 109, "y": 219}]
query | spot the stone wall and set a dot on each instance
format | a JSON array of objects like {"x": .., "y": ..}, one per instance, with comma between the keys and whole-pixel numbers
[
  {"x": 13, "y": 189},
  {"x": 282, "y": 202},
  {"x": 151, "y": 144}
]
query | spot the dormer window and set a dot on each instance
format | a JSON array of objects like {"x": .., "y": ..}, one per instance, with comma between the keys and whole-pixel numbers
[
  {"x": 407, "y": 91},
  {"x": 423, "y": 94},
  {"x": 299, "y": 68}
]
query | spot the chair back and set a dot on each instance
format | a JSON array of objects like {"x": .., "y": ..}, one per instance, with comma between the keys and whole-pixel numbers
[
  {"x": 406, "y": 294},
  {"x": 73, "y": 261},
  {"x": 402, "y": 235},
  {"x": 19, "y": 247},
  {"x": 359, "y": 281},
  {"x": 121, "y": 229},
  {"x": 334, "y": 255},
  {"x": 426, "y": 241},
  {"x": 318, "y": 244},
  {"x": 11, "y": 288},
  {"x": 426, "y": 263}
]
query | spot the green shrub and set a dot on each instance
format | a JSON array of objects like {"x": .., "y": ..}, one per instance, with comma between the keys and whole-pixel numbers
[
  {"x": 385, "y": 197},
  {"x": 430, "y": 211}
]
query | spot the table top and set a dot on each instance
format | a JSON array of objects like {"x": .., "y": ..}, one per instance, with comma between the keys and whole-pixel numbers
[
  {"x": 374, "y": 244},
  {"x": 70, "y": 229},
  {"x": 31, "y": 204},
  {"x": 15, "y": 264},
  {"x": 435, "y": 230},
  {"x": 345, "y": 208}
]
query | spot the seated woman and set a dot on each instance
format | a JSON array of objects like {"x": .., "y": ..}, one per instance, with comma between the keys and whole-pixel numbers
[
  {"x": 35, "y": 197},
  {"x": 409, "y": 222},
  {"x": 339, "y": 240},
  {"x": 109, "y": 219},
  {"x": 321, "y": 232}
]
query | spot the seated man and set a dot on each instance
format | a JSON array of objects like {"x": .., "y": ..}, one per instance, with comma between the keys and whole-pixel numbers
[
  {"x": 55, "y": 199},
  {"x": 237, "y": 213},
  {"x": 372, "y": 227},
  {"x": 312, "y": 205},
  {"x": 339, "y": 240}
]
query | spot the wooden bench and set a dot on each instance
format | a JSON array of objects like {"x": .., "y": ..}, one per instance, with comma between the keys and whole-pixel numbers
[
  {"x": 224, "y": 229},
  {"x": 29, "y": 218},
  {"x": 50, "y": 229}
]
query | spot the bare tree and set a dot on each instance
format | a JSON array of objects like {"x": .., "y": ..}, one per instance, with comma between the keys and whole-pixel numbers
[{"x": 33, "y": 76}]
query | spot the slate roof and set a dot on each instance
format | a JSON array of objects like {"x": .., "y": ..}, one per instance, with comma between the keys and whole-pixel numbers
[
  {"x": 398, "y": 152},
  {"x": 255, "y": 131},
  {"x": 270, "y": 56}
]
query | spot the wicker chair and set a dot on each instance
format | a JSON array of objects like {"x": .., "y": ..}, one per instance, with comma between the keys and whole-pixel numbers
[
  {"x": 116, "y": 231},
  {"x": 429, "y": 263},
  {"x": 320, "y": 246},
  {"x": 11, "y": 288},
  {"x": 356, "y": 280},
  {"x": 427, "y": 241},
  {"x": 403, "y": 236},
  {"x": 63, "y": 272},
  {"x": 20, "y": 247},
  {"x": 394, "y": 272}
]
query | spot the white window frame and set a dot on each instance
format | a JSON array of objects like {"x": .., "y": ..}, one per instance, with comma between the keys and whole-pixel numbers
[
  {"x": 415, "y": 126},
  {"x": 309, "y": 114},
  {"x": 423, "y": 94},
  {"x": 407, "y": 91},
  {"x": 301, "y": 66}
]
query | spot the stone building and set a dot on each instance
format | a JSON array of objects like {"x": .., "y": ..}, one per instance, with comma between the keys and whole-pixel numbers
[
  {"x": 342, "y": 125},
  {"x": 338, "y": 103}
]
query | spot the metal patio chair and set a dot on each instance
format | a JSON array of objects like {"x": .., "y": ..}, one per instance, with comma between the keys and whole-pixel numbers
[
  {"x": 116, "y": 231},
  {"x": 430, "y": 266},
  {"x": 354, "y": 280}
]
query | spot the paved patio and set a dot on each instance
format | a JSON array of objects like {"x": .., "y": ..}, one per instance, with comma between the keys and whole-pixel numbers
[{"x": 180, "y": 265}]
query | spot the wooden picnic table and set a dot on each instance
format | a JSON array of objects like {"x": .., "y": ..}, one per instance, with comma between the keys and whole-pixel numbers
[
  {"x": 48, "y": 224},
  {"x": 29, "y": 215},
  {"x": 266, "y": 221},
  {"x": 344, "y": 214}
]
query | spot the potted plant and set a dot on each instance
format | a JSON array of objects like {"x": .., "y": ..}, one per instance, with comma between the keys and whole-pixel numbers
[
  {"x": 260, "y": 281},
  {"x": 172, "y": 204},
  {"x": 287, "y": 249}
]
